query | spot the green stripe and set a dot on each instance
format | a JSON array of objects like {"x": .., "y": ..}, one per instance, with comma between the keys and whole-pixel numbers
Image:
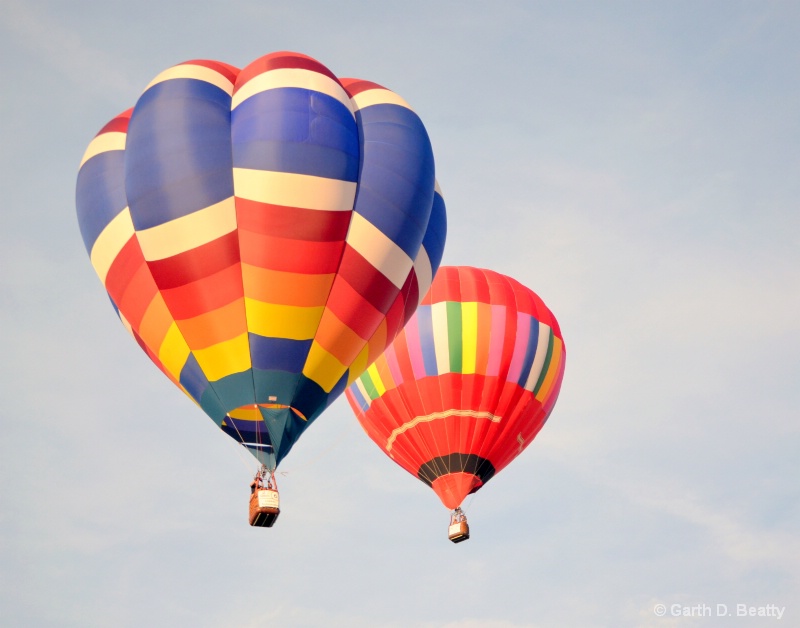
[
  {"x": 372, "y": 391},
  {"x": 454, "y": 335},
  {"x": 546, "y": 365}
]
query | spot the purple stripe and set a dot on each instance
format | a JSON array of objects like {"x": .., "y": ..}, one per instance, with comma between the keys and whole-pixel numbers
[{"x": 520, "y": 346}]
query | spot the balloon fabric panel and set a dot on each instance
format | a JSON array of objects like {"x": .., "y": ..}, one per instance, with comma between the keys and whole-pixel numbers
[
  {"x": 224, "y": 215},
  {"x": 495, "y": 361}
]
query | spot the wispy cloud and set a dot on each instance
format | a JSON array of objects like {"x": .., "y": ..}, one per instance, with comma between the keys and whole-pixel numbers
[{"x": 93, "y": 70}]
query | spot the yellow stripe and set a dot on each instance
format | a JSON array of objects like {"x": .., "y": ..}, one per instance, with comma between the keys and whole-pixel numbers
[
  {"x": 199, "y": 72},
  {"x": 188, "y": 232},
  {"x": 224, "y": 358},
  {"x": 477, "y": 414},
  {"x": 379, "y": 250},
  {"x": 469, "y": 336},
  {"x": 174, "y": 351},
  {"x": 291, "y": 77},
  {"x": 282, "y": 321},
  {"x": 294, "y": 190},
  {"x": 555, "y": 363},
  {"x": 110, "y": 242},
  {"x": 377, "y": 380},
  {"x": 246, "y": 413},
  {"x": 323, "y": 368},
  {"x": 359, "y": 365},
  {"x": 379, "y": 97},
  {"x": 104, "y": 143}
]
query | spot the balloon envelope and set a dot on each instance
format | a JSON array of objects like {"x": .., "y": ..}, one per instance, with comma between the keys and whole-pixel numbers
[
  {"x": 467, "y": 384},
  {"x": 263, "y": 234}
]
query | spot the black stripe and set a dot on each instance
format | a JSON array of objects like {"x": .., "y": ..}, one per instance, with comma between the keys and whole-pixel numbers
[{"x": 456, "y": 463}]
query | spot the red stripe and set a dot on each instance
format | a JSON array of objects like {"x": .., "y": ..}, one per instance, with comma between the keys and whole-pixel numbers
[
  {"x": 295, "y": 223},
  {"x": 137, "y": 296},
  {"x": 354, "y": 86},
  {"x": 205, "y": 295},
  {"x": 123, "y": 268},
  {"x": 410, "y": 294},
  {"x": 279, "y": 60},
  {"x": 118, "y": 124},
  {"x": 228, "y": 71},
  {"x": 352, "y": 309},
  {"x": 294, "y": 256},
  {"x": 196, "y": 263},
  {"x": 372, "y": 285}
]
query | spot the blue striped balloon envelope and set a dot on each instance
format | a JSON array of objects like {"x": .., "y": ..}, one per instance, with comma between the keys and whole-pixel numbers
[{"x": 263, "y": 234}]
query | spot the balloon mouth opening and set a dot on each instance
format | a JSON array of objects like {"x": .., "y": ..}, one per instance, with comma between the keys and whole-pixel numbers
[{"x": 453, "y": 488}]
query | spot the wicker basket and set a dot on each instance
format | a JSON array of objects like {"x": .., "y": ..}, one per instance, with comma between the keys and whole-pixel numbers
[
  {"x": 458, "y": 532},
  {"x": 264, "y": 507}
]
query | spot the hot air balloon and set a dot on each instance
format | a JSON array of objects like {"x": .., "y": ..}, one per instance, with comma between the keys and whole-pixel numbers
[
  {"x": 466, "y": 386},
  {"x": 263, "y": 234}
]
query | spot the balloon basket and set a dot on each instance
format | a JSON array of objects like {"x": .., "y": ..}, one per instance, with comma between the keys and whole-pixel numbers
[
  {"x": 264, "y": 508},
  {"x": 265, "y": 502},
  {"x": 459, "y": 528}
]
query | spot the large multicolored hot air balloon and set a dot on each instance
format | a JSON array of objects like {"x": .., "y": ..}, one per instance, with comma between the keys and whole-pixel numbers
[
  {"x": 263, "y": 234},
  {"x": 467, "y": 384}
]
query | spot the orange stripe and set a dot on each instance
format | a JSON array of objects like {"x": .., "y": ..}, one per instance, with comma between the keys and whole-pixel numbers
[
  {"x": 338, "y": 339},
  {"x": 214, "y": 327},
  {"x": 377, "y": 344},
  {"x": 155, "y": 324},
  {"x": 482, "y": 349},
  {"x": 283, "y": 288}
]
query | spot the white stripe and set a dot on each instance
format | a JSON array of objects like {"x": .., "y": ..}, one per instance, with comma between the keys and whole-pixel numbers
[
  {"x": 477, "y": 414},
  {"x": 379, "y": 250},
  {"x": 538, "y": 360},
  {"x": 198, "y": 72},
  {"x": 363, "y": 389},
  {"x": 424, "y": 272},
  {"x": 294, "y": 190},
  {"x": 188, "y": 232},
  {"x": 441, "y": 342},
  {"x": 292, "y": 77},
  {"x": 104, "y": 143},
  {"x": 110, "y": 242},
  {"x": 378, "y": 96},
  {"x": 256, "y": 445}
]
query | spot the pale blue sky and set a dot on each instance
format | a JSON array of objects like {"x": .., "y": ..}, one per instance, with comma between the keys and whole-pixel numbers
[{"x": 634, "y": 163}]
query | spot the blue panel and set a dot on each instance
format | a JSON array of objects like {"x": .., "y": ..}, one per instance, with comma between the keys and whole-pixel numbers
[
  {"x": 310, "y": 398},
  {"x": 210, "y": 404},
  {"x": 236, "y": 390},
  {"x": 530, "y": 352},
  {"x": 397, "y": 174},
  {"x": 193, "y": 379},
  {"x": 100, "y": 194},
  {"x": 178, "y": 151},
  {"x": 437, "y": 232},
  {"x": 296, "y": 130},
  {"x": 425, "y": 324},
  {"x": 278, "y": 384},
  {"x": 358, "y": 397},
  {"x": 279, "y": 354}
]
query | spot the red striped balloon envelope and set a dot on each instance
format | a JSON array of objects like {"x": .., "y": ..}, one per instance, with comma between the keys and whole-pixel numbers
[
  {"x": 263, "y": 234},
  {"x": 468, "y": 383}
]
